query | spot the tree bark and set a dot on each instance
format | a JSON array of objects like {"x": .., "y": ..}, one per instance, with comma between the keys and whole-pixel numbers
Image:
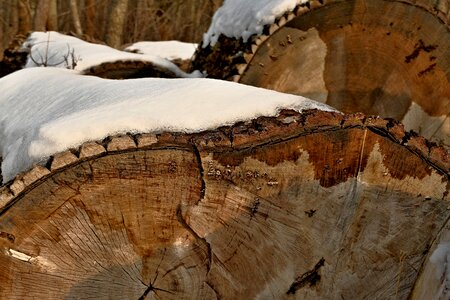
[
  {"x": 116, "y": 23},
  {"x": 75, "y": 17},
  {"x": 309, "y": 206}
]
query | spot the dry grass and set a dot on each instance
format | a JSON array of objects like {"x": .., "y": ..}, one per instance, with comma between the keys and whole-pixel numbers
[{"x": 184, "y": 20}]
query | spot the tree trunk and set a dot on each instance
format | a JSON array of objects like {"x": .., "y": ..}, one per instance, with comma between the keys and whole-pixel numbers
[
  {"x": 24, "y": 17},
  {"x": 353, "y": 55},
  {"x": 41, "y": 15},
  {"x": 52, "y": 21},
  {"x": 89, "y": 11},
  {"x": 307, "y": 206},
  {"x": 3, "y": 25},
  {"x": 75, "y": 17},
  {"x": 116, "y": 23}
]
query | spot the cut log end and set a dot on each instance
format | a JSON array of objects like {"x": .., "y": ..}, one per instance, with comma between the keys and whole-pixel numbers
[{"x": 299, "y": 204}]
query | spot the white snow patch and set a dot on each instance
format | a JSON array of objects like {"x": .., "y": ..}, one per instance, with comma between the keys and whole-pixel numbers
[
  {"x": 48, "y": 110},
  {"x": 166, "y": 49},
  {"x": 58, "y": 50},
  {"x": 19, "y": 255},
  {"x": 441, "y": 259},
  {"x": 244, "y": 18}
]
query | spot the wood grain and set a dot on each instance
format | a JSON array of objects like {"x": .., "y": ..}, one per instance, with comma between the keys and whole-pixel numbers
[
  {"x": 386, "y": 58},
  {"x": 300, "y": 206}
]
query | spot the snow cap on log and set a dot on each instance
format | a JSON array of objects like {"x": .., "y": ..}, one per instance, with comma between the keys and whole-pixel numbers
[
  {"x": 242, "y": 19},
  {"x": 44, "y": 111},
  {"x": 53, "y": 49}
]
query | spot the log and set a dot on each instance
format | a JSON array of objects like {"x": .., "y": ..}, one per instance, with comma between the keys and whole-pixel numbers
[
  {"x": 315, "y": 205},
  {"x": 129, "y": 69},
  {"x": 387, "y": 58}
]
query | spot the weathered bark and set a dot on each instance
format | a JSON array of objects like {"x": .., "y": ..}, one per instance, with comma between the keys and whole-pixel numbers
[
  {"x": 308, "y": 206},
  {"x": 116, "y": 22},
  {"x": 354, "y": 55},
  {"x": 75, "y": 17}
]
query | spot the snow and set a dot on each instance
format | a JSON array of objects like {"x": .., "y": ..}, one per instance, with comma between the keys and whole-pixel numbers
[
  {"x": 441, "y": 259},
  {"x": 55, "y": 49},
  {"x": 166, "y": 49},
  {"x": 243, "y": 18},
  {"x": 44, "y": 111}
]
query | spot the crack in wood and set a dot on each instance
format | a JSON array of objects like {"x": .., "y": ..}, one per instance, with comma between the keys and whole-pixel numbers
[
  {"x": 211, "y": 286},
  {"x": 420, "y": 46},
  {"x": 201, "y": 171},
  {"x": 197, "y": 237},
  {"x": 151, "y": 286},
  {"x": 427, "y": 70},
  {"x": 310, "y": 278}
]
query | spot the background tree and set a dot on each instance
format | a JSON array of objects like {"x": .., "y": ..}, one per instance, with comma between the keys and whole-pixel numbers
[
  {"x": 108, "y": 20},
  {"x": 116, "y": 22}
]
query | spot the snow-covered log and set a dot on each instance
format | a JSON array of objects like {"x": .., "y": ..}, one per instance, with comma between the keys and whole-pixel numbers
[
  {"x": 312, "y": 205},
  {"x": 53, "y": 49},
  {"x": 387, "y": 58}
]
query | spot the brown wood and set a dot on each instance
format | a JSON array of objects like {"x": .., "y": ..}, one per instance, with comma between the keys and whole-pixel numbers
[
  {"x": 126, "y": 69},
  {"x": 387, "y": 58},
  {"x": 302, "y": 206}
]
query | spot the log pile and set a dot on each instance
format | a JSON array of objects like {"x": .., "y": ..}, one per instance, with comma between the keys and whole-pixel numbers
[
  {"x": 315, "y": 205},
  {"x": 311, "y": 205},
  {"x": 387, "y": 58}
]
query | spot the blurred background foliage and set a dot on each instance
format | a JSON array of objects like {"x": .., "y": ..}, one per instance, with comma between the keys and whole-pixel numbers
[{"x": 114, "y": 22}]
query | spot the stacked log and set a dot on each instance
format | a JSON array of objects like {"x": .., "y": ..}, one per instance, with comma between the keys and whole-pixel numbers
[
  {"x": 387, "y": 58},
  {"x": 316, "y": 205}
]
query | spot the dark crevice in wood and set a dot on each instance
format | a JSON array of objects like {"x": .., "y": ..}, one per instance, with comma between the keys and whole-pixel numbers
[
  {"x": 211, "y": 286},
  {"x": 157, "y": 267},
  {"x": 153, "y": 289},
  {"x": 147, "y": 291},
  {"x": 197, "y": 237},
  {"x": 419, "y": 47},
  {"x": 427, "y": 70},
  {"x": 310, "y": 213},
  {"x": 310, "y": 278},
  {"x": 254, "y": 208},
  {"x": 201, "y": 171},
  {"x": 49, "y": 162},
  {"x": 8, "y": 236}
]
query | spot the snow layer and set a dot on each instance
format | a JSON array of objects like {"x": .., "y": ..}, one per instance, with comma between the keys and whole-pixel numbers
[
  {"x": 58, "y": 50},
  {"x": 48, "y": 110},
  {"x": 441, "y": 259},
  {"x": 243, "y": 18},
  {"x": 166, "y": 49}
]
